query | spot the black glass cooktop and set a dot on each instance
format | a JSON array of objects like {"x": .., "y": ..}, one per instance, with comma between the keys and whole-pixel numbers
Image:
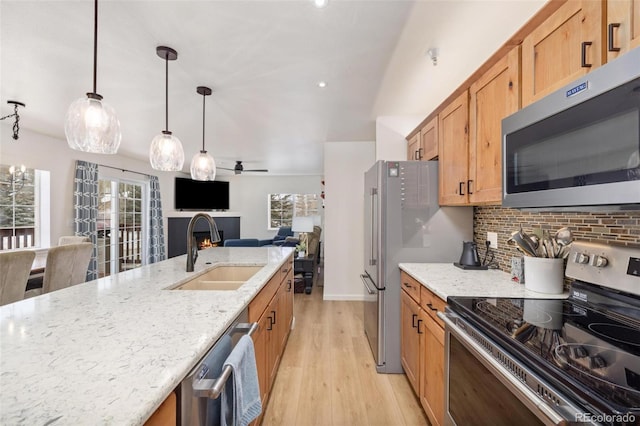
[{"x": 589, "y": 344}]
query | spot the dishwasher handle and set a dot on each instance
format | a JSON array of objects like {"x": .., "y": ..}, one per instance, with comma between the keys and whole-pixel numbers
[{"x": 212, "y": 388}]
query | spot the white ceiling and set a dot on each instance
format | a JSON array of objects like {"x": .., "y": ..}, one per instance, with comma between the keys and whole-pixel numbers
[{"x": 262, "y": 59}]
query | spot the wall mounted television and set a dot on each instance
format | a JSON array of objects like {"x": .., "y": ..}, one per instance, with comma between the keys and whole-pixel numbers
[{"x": 201, "y": 195}]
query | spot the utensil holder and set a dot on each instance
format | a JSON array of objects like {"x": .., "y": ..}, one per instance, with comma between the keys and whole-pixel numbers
[{"x": 544, "y": 275}]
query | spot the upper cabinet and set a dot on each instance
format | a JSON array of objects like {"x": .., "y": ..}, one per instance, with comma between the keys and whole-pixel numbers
[
  {"x": 453, "y": 147},
  {"x": 424, "y": 144},
  {"x": 623, "y": 27},
  {"x": 493, "y": 96},
  {"x": 567, "y": 45}
]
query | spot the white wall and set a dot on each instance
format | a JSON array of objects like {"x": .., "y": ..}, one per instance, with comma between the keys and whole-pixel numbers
[
  {"x": 391, "y": 132},
  {"x": 47, "y": 153},
  {"x": 344, "y": 167},
  {"x": 248, "y": 195}
]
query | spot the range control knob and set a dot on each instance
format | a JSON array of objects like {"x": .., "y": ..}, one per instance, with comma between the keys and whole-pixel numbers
[
  {"x": 582, "y": 258},
  {"x": 597, "y": 362},
  {"x": 599, "y": 261}
]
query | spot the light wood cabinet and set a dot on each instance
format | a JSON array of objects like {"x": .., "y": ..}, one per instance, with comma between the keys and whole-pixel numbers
[
  {"x": 166, "y": 414},
  {"x": 272, "y": 308},
  {"x": 422, "y": 347},
  {"x": 410, "y": 339},
  {"x": 432, "y": 370},
  {"x": 429, "y": 140},
  {"x": 493, "y": 96},
  {"x": 413, "y": 147},
  {"x": 623, "y": 27},
  {"x": 567, "y": 45},
  {"x": 453, "y": 149}
]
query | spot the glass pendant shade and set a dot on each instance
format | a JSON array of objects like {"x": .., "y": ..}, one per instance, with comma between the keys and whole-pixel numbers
[
  {"x": 166, "y": 153},
  {"x": 203, "y": 167},
  {"x": 91, "y": 125}
]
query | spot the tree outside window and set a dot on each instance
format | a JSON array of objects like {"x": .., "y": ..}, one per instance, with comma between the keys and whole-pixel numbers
[
  {"x": 283, "y": 208},
  {"x": 18, "y": 208}
]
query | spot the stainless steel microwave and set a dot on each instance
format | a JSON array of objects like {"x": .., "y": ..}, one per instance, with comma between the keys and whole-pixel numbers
[{"x": 579, "y": 146}]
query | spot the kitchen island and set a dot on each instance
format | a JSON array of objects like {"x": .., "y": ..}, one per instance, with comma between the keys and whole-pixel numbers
[{"x": 109, "y": 351}]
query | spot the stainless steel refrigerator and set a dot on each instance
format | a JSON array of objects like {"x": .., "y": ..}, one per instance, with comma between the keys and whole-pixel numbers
[{"x": 403, "y": 223}]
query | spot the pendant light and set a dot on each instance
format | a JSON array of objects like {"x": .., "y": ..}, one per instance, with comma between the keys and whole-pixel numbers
[
  {"x": 203, "y": 166},
  {"x": 166, "y": 150},
  {"x": 92, "y": 125}
]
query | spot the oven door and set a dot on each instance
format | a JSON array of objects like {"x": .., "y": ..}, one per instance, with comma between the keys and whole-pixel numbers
[{"x": 479, "y": 390}]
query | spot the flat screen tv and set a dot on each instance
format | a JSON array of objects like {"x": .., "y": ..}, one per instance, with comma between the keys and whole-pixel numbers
[{"x": 201, "y": 195}]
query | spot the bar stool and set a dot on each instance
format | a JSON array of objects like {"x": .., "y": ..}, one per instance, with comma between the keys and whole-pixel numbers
[
  {"x": 15, "y": 267},
  {"x": 66, "y": 266}
]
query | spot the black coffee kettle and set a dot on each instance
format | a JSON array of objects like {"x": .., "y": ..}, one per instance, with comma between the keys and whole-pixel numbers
[{"x": 470, "y": 255}]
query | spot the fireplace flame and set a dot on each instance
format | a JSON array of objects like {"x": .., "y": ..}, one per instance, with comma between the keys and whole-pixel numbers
[{"x": 206, "y": 243}]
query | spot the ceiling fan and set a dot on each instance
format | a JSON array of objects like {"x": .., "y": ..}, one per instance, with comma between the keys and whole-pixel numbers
[{"x": 239, "y": 168}]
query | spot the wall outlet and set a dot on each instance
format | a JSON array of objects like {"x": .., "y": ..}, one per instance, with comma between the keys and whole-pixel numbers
[{"x": 492, "y": 237}]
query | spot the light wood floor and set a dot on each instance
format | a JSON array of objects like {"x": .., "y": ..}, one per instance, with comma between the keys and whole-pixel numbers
[{"x": 327, "y": 374}]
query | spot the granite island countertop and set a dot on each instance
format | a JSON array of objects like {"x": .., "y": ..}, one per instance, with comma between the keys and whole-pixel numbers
[
  {"x": 446, "y": 280},
  {"x": 109, "y": 351}
]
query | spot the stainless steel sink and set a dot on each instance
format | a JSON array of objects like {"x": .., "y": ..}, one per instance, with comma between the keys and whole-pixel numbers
[{"x": 224, "y": 277}]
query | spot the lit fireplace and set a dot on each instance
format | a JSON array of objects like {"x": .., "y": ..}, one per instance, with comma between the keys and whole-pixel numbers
[{"x": 203, "y": 239}]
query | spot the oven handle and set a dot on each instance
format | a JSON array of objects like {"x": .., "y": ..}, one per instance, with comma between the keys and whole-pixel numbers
[
  {"x": 212, "y": 388},
  {"x": 501, "y": 372}
]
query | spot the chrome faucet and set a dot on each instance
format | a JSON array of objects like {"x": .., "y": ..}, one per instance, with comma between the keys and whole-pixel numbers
[{"x": 192, "y": 247}]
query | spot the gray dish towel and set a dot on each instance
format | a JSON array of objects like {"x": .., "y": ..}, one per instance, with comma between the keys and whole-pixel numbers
[{"x": 241, "y": 396}]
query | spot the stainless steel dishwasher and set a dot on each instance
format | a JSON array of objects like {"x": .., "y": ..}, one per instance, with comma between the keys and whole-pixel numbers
[{"x": 201, "y": 388}]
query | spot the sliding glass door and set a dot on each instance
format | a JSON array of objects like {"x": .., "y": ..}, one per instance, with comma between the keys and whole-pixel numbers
[{"x": 122, "y": 225}]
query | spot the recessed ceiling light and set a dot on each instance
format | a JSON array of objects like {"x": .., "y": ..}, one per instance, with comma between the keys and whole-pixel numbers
[
  {"x": 322, "y": 84},
  {"x": 320, "y": 3}
]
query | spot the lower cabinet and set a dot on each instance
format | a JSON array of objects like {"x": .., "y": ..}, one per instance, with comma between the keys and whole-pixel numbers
[
  {"x": 422, "y": 348},
  {"x": 272, "y": 308},
  {"x": 166, "y": 414}
]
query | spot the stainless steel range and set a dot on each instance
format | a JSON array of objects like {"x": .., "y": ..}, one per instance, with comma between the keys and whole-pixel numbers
[{"x": 546, "y": 361}]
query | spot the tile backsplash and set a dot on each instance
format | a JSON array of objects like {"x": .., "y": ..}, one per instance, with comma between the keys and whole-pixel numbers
[{"x": 613, "y": 227}]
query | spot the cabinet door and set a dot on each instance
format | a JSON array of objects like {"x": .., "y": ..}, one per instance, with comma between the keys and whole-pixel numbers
[
  {"x": 453, "y": 149},
  {"x": 429, "y": 140},
  {"x": 566, "y": 46},
  {"x": 261, "y": 345},
  {"x": 493, "y": 96},
  {"x": 275, "y": 333},
  {"x": 432, "y": 369},
  {"x": 413, "y": 147},
  {"x": 410, "y": 341},
  {"x": 623, "y": 27}
]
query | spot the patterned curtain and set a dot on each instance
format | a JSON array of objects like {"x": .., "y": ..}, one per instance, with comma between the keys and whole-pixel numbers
[
  {"x": 156, "y": 229},
  {"x": 85, "y": 196}
]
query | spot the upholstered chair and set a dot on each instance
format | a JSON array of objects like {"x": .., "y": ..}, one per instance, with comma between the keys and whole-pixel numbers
[
  {"x": 15, "y": 267},
  {"x": 73, "y": 239},
  {"x": 66, "y": 266}
]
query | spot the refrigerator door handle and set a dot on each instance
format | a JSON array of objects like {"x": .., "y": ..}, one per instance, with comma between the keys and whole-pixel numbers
[
  {"x": 374, "y": 226},
  {"x": 364, "y": 281}
]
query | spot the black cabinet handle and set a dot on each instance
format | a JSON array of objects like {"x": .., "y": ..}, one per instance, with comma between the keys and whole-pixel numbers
[
  {"x": 413, "y": 320},
  {"x": 407, "y": 285},
  {"x": 583, "y": 55},
  {"x": 419, "y": 332},
  {"x": 415, "y": 154},
  {"x": 274, "y": 317},
  {"x": 270, "y": 326},
  {"x": 612, "y": 48},
  {"x": 469, "y": 186},
  {"x": 430, "y": 306},
  {"x": 420, "y": 154},
  {"x": 461, "y": 188},
  {"x": 288, "y": 286}
]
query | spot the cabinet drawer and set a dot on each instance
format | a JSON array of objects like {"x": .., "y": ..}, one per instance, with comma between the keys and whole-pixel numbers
[
  {"x": 432, "y": 304},
  {"x": 410, "y": 285}
]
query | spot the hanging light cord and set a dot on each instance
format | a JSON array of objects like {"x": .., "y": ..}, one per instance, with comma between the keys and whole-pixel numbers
[
  {"x": 95, "y": 46},
  {"x": 166, "y": 92},
  {"x": 203, "y": 106}
]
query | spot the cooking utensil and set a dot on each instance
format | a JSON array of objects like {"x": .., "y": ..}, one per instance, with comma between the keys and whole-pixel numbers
[
  {"x": 523, "y": 245},
  {"x": 563, "y": 236}
]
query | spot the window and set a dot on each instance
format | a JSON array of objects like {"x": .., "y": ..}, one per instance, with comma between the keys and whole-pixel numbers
[
  {"x": 24, "y": 209},
  {"x": 122, "y": 242},
  {"x": 283, "y": 208}
]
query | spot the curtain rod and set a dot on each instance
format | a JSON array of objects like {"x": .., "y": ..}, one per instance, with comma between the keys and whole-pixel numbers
[{"x": 124, "y": 170}]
